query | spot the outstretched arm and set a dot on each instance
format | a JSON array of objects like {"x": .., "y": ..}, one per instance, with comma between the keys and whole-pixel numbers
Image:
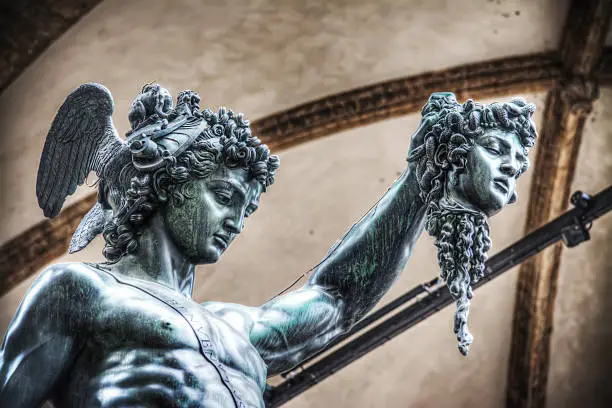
[{"x": 357, "y": 272}]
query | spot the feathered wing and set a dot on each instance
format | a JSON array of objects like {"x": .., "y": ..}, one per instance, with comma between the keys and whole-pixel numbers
[
  {"x": 90, "y": 226},
  {"x": 82, "y": 138}
]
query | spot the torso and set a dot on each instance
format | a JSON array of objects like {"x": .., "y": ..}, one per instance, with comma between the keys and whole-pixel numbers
[{"x": 139, "y": 350}]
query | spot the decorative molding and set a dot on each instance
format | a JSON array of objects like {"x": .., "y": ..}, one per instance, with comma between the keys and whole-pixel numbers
[
  {"x": 578, "y": 93},
  {"x": 373, "y": 103},
  {"x": 25, "y": 254},
  {"x": 566, "y": 111}
]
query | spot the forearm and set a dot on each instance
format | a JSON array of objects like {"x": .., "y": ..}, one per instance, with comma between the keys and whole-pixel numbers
[{"x": 363, "y": 266}]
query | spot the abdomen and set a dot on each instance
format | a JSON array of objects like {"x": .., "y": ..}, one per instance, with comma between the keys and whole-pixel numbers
[{"x": 152, "y": 377}]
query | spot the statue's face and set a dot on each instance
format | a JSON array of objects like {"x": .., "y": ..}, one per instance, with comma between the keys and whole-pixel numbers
[
  {"x": 488, "y": 182},
  {"x": 202, "y": 227}
]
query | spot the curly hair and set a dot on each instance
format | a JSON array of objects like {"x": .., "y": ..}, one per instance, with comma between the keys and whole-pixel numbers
[
  {"x": 461, "y": 236},
  {"x": 227, "y": 140}
]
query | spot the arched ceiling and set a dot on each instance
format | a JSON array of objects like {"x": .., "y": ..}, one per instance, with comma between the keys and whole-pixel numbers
[
  {"x": 268, "y": 57},
  {"x": 256, "y": 57}
]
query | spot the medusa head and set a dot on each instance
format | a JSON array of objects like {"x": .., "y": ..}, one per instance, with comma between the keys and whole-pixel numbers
[{"x": 467, "y": 167}]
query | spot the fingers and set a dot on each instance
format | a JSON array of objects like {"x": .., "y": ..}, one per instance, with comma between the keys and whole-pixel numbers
[{"x": 417, "y": 138}]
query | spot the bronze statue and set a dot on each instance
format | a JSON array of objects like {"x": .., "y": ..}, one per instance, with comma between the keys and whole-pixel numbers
[{"x": 126, "y": 332}]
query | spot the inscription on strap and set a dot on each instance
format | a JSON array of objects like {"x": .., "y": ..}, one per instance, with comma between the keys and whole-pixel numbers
[{"x": 196, "y": 324}]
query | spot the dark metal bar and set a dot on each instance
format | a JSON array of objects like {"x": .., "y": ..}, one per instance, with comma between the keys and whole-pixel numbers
[{"x": 565, "y": 227}]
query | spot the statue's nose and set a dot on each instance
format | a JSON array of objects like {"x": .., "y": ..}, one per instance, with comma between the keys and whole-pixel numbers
[
  {"x": 234, "y": 226},
  {"x": 510, "y": 168}
]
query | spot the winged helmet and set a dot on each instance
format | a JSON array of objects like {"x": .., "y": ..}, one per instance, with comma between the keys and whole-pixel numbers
[{"x": 83, "y": 139}]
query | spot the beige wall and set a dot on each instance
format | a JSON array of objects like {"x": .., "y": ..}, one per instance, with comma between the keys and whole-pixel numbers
[
  {"x": 270, "y": 57},
  {"x": 257, "y": 57}
]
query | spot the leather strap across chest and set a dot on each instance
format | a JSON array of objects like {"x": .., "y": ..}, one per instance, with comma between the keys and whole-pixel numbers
[{"x": 197, "y": 325}]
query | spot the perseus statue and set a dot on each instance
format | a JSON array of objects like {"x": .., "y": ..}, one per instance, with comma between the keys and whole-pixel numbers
[{"x": 174, "y": 194}]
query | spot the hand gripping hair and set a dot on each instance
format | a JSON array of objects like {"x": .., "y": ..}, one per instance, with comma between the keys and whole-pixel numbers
[{"x": 447, "y": 134}]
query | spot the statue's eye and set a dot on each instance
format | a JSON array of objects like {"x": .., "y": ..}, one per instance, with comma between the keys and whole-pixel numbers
[
  {"x": 493, "y": 151},
  {"x": 223, "y": 198}
]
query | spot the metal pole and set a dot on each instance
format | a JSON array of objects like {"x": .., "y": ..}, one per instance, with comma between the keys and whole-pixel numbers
[{"x": 571, "y": 227}]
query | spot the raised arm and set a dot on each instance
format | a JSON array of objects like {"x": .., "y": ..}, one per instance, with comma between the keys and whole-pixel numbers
[
  {"x": 40, "y": 342},
  {"x": 357, "y": 272}
]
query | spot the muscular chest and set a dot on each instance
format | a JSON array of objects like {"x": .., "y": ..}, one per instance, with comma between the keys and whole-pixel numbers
[{"x": 131, "y": 318}]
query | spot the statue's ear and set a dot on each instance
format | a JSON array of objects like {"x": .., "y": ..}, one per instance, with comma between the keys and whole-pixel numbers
[
  {"x": 161, "y": 187},
  {"x": 163, "y": 196}
]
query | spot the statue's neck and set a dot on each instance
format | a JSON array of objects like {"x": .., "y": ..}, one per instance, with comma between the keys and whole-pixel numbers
[{"x": 158, "y": 260}]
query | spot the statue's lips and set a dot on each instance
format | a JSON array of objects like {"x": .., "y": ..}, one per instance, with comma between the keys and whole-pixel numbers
[
  {"x": 502, "y": 184},
  {"x": 221, "y": 241}
]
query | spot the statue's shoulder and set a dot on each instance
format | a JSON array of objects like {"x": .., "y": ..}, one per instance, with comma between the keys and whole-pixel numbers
[
  {"x": 59, "y": 300},
  {"x": 71, "y": 281}
]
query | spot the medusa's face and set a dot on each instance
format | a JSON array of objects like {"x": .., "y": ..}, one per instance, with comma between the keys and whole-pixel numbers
[
  {"x": 206, "y": 223},
  {"x": 488, "y": 182}
]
